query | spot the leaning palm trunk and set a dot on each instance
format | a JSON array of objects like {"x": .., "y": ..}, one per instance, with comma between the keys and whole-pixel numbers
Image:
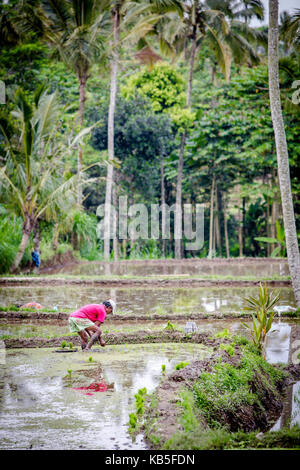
[
  {"x": 111, "y": 114},
  {"x": 282, "y": 152},
  {"x": 27, "y": 229}
]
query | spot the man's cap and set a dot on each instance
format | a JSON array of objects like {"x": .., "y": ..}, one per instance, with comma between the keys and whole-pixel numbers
[{"x": 113, "y": 304}]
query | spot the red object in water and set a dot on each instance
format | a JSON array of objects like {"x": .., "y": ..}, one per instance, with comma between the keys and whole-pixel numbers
[
  {"x": 95, "y": 387},
  {"x": 32, "y": 304}
]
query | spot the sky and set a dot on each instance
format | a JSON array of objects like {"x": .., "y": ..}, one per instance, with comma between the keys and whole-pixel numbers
[{"x": 284, "y": 5}]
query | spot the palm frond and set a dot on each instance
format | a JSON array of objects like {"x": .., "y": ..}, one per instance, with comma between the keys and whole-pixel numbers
[
  {"x": 58, "y": 13},
  {"x": 46, "y": 116},
  {"x": 221, "y": 51}
]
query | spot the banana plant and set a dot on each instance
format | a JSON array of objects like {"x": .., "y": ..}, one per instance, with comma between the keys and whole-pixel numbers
[
  {"x": 279, "y": 240},
  {"x": 33, "y": 183},
  {"x": 262, "y": 313}
]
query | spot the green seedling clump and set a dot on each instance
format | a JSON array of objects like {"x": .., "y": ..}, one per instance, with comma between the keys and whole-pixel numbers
[
  {"x": 132, "y": 422},
  {"x": 135, "y": 418},
  {"x": 229, "y": 348},
  {"x": 223, "y": 334},
  {"x": 70, "y": 345},
  {"x": 181, "y": 365},
  {"x": 63, "y": 344},
  {"x": 170, "y": 326}
]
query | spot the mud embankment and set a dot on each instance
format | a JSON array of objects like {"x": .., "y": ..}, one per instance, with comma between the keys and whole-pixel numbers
[
  {"x": 163, "y": 420},
  {"x": 22, "y": 316},
  {"x": 141, "y": 282},
  {"x": 138, "y": 337}
]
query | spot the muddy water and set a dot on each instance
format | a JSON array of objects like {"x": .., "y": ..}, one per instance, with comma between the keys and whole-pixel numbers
[
  {"x": 171, "y": 267},
  {"x": 140, "y": 300},
  {"x": 38, "y": 328},
  {"x": 41, "y": 408}
]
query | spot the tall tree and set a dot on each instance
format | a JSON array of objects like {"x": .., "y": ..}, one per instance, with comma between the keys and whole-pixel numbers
[
  {"x": 77, "y": 30},
  {"x": 282, "y": 152},
  {"x": 31, "y": 181},
  {"x": 111, "y": 113},
  {"x": 215, "y": 23},
  {"x": 136, "y": 20}
]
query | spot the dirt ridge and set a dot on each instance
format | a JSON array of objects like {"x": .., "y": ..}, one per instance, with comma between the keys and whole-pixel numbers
[
  {"x": 19, "y": 316},
  {"x": 163, "y": 421},
  {"x": 183, "y": 282},
  {"x": 137, "y": 337}
]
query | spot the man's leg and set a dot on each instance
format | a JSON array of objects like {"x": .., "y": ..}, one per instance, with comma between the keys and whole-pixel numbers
[
  {"x": 95, "y": 336},
  {"x": 84, "y": 338}
]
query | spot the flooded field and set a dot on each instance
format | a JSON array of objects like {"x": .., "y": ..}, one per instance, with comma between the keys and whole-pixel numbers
[
  {"x": 192, "y": 267},
  {"x": 140, "y": 300},
  {"x": 42, "y": 408},
  {"x": 49, "y": 329},
  {"x": 83, "y": 400}
]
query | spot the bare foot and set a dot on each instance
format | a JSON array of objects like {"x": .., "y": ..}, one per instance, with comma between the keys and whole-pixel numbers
[{"x": 102, "y": 343}]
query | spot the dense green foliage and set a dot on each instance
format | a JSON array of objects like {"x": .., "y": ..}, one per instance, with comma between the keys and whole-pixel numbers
[
  {"x": 218, "y": 393},
  {"x": 212, "y": 409},
  {"x": 230, "y": 153}
]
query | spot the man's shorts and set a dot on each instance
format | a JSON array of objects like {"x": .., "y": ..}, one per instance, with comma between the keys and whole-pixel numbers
[{"x": 79, "y": 324}]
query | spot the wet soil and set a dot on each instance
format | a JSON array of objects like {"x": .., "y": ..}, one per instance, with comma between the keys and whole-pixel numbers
[
  {"x": 20, "y": 316},
  {"x": 56, "y": 262},
  {"x": 119, "y": 338},
  {"x": 182, "y": 282},
  {"x": 69, "y": 263}
]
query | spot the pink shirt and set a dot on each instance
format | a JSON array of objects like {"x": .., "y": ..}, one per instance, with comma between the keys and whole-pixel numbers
[{"x": 93, "y": 312}]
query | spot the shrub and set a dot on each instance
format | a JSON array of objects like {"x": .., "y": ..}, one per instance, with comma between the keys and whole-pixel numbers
[
  {"x": 260, "y": 308},
  {"x": 10, "y": 236}
]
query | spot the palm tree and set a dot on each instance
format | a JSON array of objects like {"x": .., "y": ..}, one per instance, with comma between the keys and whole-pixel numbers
[
  {"x": 136, "y": 19},
  {"x": 290, "y": 29},
  {"x": 77, "y": 30},
  {"x": 116, "y": 15},
  {"x": 282, "y": 152},
  {"x": 216, "y": 23},
  {"x": 31, "y": 181}
]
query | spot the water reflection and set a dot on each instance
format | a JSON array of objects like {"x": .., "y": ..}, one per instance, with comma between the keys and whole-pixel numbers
[
  {"x": 39, "y": 411},
  {"x": 170, "y": 267},
  {"x": 140, "y": 300},
  {"x": 279, "y": 350}
]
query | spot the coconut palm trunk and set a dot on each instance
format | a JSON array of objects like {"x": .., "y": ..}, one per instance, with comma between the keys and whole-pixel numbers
[
  {"x": 211, "y": 218},
  {"x": 82, "y": 77},
  {"x": 111, "y": 114},
  {"x": 27, "y": 229},
  {"x": 282, "y": 152},
  {"x": 178, "y": 212},
  {"x": 226, "y": 227},
  {"x": 163, "y": 207}
]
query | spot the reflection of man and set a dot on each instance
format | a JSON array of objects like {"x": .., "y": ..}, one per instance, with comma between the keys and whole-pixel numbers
[{"x": 86, "y": 321}]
